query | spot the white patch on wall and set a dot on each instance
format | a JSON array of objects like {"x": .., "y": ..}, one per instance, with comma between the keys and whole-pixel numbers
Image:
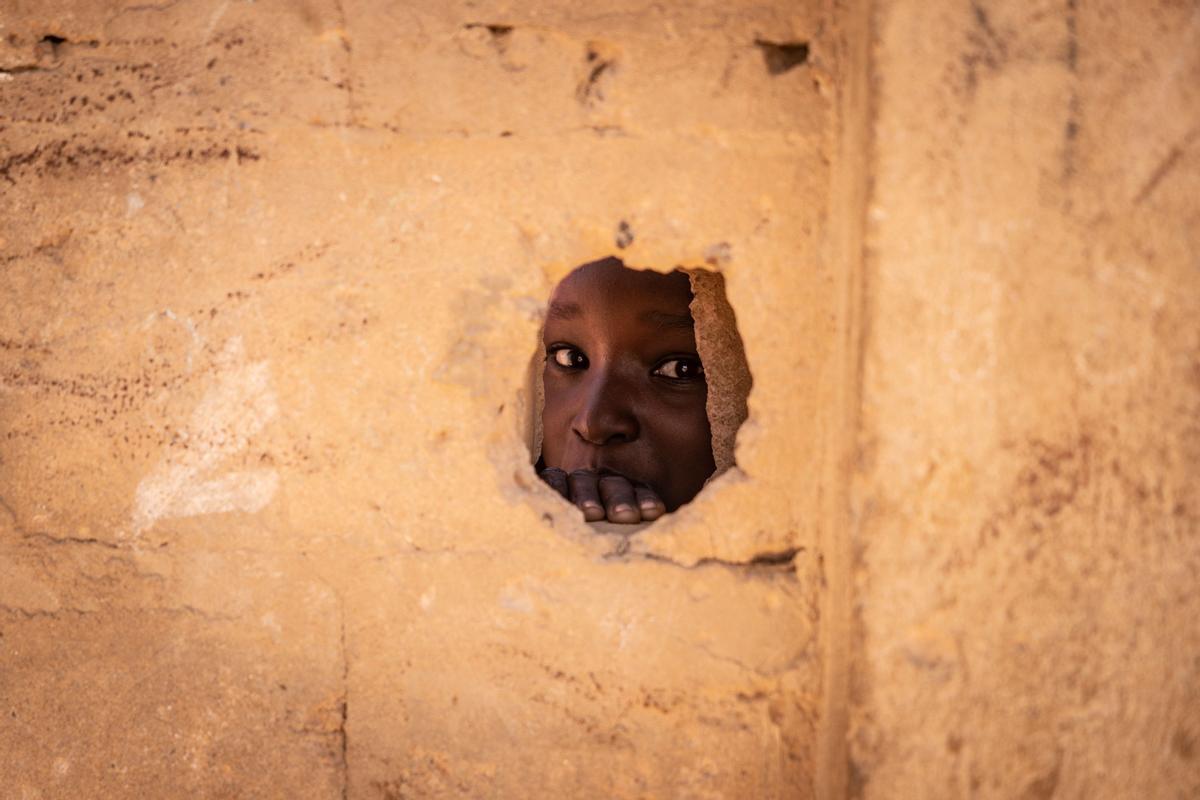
[
  {"x": 184, "y": 483},
  {"x": 1107, "y": 354}
]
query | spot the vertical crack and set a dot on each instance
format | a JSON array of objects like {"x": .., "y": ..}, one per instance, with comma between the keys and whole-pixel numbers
[
  {"x": 344, "y": 704},
  {"x": 1072, "y": 123},
  {"x": 348, "y": 80}
]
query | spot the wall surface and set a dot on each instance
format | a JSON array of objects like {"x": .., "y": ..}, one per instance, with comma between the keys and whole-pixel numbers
[
  {"x": 1027, "y": 510},
  {"x": 271, "y": 277}
]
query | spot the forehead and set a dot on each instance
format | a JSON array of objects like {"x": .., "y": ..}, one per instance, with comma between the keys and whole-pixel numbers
[{"x": 611, "y": 286}]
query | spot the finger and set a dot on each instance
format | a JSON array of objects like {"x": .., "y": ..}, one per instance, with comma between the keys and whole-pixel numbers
[
  {"x": 557, "y": 479},
  {"x": 620, "y": 503},
  {"x": 649, "y": 503},
  {"x": 585, "y": 494}
]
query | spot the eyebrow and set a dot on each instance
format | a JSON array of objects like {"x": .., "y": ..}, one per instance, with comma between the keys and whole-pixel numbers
[
  {"x": 564, "y": 311},
  {"x": 665, "y": 319},
  {"x": 659, "y": 319}
]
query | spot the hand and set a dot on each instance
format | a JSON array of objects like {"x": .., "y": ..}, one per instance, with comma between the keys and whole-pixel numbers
[{"x": 611, "y": 497}]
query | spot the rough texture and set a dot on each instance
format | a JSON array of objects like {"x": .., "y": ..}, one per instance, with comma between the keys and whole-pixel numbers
[
  {"x": 720, "y": 345},
  {"x": 1028, "y": 501},
  {"x": 270, "y": 275}
]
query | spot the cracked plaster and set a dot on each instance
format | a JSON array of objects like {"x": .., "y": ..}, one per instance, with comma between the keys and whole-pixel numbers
[
  {"x": 957, "y": 557},
  {"x": 269, "y": 525}
]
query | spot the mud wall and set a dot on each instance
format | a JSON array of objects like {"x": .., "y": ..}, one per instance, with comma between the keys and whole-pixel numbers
[
  {"x": 1026, "y": 510},
  {"x": 272, "y": 274}
]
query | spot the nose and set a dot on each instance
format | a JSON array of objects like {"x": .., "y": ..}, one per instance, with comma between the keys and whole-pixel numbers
[{"x": 606, "y": 414}]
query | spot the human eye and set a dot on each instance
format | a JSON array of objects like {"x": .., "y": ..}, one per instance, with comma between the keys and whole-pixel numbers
[
  {"x": 680, "y": 368},
  {"x": 565, "y": 356}
]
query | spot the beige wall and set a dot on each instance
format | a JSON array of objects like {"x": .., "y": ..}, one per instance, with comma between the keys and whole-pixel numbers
[
  {"x": 267, "y": 526},
  {"x": 1026, "y": 511}
]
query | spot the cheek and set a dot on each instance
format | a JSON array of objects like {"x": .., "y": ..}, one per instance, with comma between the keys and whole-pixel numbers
[
  {"x": 556, "y": 418},
  {"x": 683, "y": 448},
  {"x": 683, "y": 431}
]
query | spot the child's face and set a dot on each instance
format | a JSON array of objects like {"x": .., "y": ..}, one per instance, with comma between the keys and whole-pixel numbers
[{"x": 625, "y": 391}]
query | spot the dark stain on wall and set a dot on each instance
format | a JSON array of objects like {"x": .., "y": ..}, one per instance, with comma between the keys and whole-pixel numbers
[
  {"x": 65, "y": 156},
  {"x": 1072, "y": 123},
  {"x": 590, "y": 91},
  {"x": 988, "y": 49},
  {"x": 624, "y": 236}
]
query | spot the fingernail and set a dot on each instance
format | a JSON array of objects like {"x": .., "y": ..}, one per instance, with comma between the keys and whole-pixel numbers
[{"x": 620, "y": 507}]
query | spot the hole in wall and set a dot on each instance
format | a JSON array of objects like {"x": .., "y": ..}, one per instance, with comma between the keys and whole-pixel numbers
[
  {"x": 624, "y": 235},
  {"x": 780, "y": 57},
  {"x": 499, "y": 33},
  {"x": 50, "y": 47},
  {"x": 640, "y": 383},
  {"x": 54, "y": 46}
]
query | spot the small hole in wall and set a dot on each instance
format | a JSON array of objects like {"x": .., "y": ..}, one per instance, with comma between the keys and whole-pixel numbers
[
  {"x": 780, "y": 57},
  {"x": 624, "y": 236},
  {"x": 50, "y": 45},
  {"x": 641, "y": 384}
]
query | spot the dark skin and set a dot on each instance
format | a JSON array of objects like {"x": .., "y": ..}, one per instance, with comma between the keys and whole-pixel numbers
[{"x": 625, "y": 428}]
